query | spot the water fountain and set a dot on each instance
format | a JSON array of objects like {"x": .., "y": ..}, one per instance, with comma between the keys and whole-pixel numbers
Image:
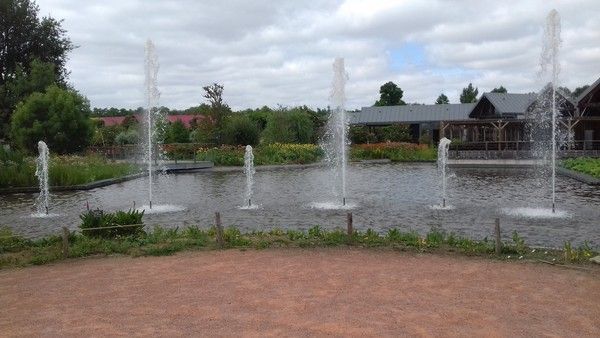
[
  {"x": 550, "y": 59},
  {"x": 442, "y": 160},
  {"x": 335, "y": 141},
  {"x": 249, "y": 171},
  {"x": 154, "y": 121},
  {"x": 41, "y": 172}
]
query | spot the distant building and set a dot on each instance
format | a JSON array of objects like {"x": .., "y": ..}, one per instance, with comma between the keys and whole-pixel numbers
[{"x": 497, "y": 121}]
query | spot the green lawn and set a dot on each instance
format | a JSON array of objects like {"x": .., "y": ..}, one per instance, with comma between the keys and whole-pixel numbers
[{"x": 586, "y": 165}]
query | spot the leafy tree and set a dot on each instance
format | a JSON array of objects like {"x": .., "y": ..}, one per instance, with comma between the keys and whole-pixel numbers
[
  {"x": 26, "y": 41},
  {"x": 177, "y": 133},
  {"x": 500, "y": 89},
  {"x": 469, "y": 94},
  {"x": 442, "y": 99},
  {"x": 60, "y": 117},
  {"x": 241, "y": 130},
  {"x": 579, "y": 90},
  {"x": 390, "y": 95}
]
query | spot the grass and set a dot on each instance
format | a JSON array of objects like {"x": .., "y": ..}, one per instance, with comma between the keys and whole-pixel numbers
[
  {"x": 586, "y": 165},
  {"x": 19, "y": 171},
  {"x": 309, "y": 153},
  {"x": 16, "y": 251}
]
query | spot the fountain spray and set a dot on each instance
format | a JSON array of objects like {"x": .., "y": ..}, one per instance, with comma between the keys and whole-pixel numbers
[
  {"x": 41, "y": 172},
  {"x": 152, "y": 95},
  {"x": 443, "y": 147},
  {"x": 335, "y": 141},
  {"x": 249, "y": 171},
  {"x": 549, "y": 57}
]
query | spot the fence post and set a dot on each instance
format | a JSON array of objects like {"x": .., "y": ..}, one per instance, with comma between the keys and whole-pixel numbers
[
  {"x": 497, "y": 235},
  {"x": 219, "y": 227},
  {"x": 350, "y": 227},
  {"x": 65, "y": 242}
]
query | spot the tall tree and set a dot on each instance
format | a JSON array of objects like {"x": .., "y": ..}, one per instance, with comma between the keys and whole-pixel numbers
[
  {"x": 500, "y": 89},
  {"x": 579, "y": 90},
  {"x": 218, "y": 109},
  {"x": 390, "y": 95},
  {"x": 469, "y": 94},
  {"x": 442, "y": 99},
  {"x": 24, "y": 38}
]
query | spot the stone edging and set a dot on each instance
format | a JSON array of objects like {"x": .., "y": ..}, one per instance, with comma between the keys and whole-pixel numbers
[{"x": 582, "y": 177}]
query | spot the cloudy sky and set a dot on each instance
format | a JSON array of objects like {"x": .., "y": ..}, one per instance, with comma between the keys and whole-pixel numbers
[{"x": 281, "y": 52}]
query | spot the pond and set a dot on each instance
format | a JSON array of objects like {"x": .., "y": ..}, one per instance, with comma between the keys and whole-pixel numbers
[{"x": 381, "y": 196}]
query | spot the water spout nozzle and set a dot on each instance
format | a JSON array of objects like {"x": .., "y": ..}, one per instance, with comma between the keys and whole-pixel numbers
[
  {"x": 87, "y": 205},
  {"x": 344, "y": 201},
  {"x": 46, "y": 210},
  {"x": 150, "y": 204},
  {"x": 443, "y": 202},
  {"x": 553, "y": 208},
  {"x": 249, "y": 202}
]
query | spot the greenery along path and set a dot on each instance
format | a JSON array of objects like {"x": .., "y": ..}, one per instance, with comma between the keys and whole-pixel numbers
[
  {"x": 321, "y": 292},
  {"x": 134, "y": 241}
]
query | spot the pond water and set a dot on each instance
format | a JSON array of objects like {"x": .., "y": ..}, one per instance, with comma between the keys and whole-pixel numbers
[{"x": 381, "y": 196}]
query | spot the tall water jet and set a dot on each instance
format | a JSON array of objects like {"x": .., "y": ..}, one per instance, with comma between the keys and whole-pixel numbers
[
  {"x": 152, "y": 96},
  {"x": 249, "y": 171},
  {"x": 549, "y": 59},
  {"x": 442, "y": 161},
  {"x": 41, "y": 171},
  {"x": 335, "y": 141}
]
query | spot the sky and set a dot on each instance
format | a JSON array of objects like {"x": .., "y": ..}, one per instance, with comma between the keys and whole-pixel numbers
[{"x": 281, "y": 52}]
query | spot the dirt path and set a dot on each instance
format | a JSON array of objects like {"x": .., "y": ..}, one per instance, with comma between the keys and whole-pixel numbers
[{"x": 316, "y": 292}]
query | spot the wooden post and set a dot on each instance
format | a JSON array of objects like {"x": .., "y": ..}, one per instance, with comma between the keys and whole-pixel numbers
[
  {"x": 350, "y": 227},
  {"x": 65, "y": 242},
  {"x": 497, "y": 234},
  {"x": 220, "y": 241}
]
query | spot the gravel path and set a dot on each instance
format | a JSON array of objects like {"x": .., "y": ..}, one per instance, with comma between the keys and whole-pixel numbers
[{"x": 295, "y": 292}]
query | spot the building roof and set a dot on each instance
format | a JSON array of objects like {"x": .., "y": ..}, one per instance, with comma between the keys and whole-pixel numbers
[
  {"x": 502, "y": 104},
  {"x": 588, "y": 90},
  {"x": 411, "y": 113}
]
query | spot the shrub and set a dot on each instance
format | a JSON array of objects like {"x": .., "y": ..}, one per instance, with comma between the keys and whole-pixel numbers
[
  {"x": 284, "y": 126},
  {"x": 130, "y": 136},
  {"x": 590, "y": 166},
  {"x": 177, "y": 133},
  {"x": 100, "y": 219},
  {"x": 240, "y": 130}
]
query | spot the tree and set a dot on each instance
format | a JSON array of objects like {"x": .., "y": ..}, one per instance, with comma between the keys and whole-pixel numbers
[
  {"x": 59, "y": 117},
  {"x": 218, "y": 109},
  {"x": 390, "y": 95},
  {"x": 469, "y": 94},
  {"x": 579, "y": 90},
  {"x": 25, "y": 39},
  {"x": 500, "y": 89},
  {"x": 442, "y": 99}
]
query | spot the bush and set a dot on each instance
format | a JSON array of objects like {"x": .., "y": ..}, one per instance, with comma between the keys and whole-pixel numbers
[
  {"x": 240, "y": 130},
  {"x": 177, "y": 133},
  {"x": 59, "y": 117},
  {"x": 263, "y": 155},
  {"x": 284, "y": 126},
  {"x": 590, "y": 166},
  {"x": 130, "y": 136},
  {"x": 100, "y": 219}
]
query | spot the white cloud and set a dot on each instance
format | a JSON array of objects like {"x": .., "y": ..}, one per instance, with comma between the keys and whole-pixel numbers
[{"x": 281, "y": 52}]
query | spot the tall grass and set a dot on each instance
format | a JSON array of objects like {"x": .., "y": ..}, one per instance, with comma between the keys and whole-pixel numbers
[
  {"x": 17, "y": 170},
  {"x": 395, "y": 151}
]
